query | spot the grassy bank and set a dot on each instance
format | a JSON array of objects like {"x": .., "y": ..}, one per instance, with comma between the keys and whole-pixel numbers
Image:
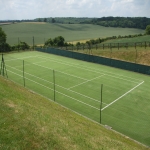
[
  {"x": 29, "y": 121},
  {"x": 140, "y": 55}
]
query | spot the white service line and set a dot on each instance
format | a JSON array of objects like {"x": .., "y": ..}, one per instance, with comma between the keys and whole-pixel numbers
[
  {"x": 122, "y": 96},
  {"x": 85, "y": 82},
  {"x": 61, "y": 72},
  {"x": 57, "y": 85},
  {"x": 93, "y": 70},
  {"x": 21, "y": 58},
  {"x": 58, "y": 92}
]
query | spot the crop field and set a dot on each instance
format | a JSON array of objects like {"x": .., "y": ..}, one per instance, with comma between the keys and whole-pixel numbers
[
  {"x": 145, "y": 38},
  {"x": 113, "y": 97},
  {"x": 71, "y": 32}
]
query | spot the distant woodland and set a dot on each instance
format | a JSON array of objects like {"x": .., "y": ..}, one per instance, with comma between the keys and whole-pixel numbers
[{"x": 123, "y": 22}]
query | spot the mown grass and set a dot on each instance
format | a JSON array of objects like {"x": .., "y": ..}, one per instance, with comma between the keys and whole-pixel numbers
[
  {"x": 29, "y": 121},
  {"x": 71, "y": 32}
]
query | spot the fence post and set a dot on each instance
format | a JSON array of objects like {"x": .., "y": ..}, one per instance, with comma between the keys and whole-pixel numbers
[
  {"x": 118, "y": 46},
  {"x": 136, "y": 55},
  {"x": 135, "y": 45},
  {"x": 18, "y": 44},
  {"x": 54, "y": 83},
  {"x": 23, "y": 74},
  {"x": 101, "y": 104},
  {"x": 33, "y": 42}
]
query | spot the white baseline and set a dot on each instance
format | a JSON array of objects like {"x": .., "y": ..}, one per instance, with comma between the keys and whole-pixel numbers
[{"x": 122, "y": 96}]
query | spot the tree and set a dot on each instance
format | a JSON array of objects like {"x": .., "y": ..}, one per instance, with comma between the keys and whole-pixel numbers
[
  {"x": 148, "y": 29},
  {"x": 49, "y": 42},
  {"x": 45, "y": 19},
  {"x": 39, "y": 19},
  {"x": 59, "y": 41},
  {"x": 78, "y": 44},
  {"x": 20, "y": 46},
  {"x": 2, "y": 36},
  {"x": 53, "y": 20}
]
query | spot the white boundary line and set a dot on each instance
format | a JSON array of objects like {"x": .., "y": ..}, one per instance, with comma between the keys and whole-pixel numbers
[
  {"x": 57, "y": 91},
  {"x": 99, "y": 72},
  {"x": 57, "y": 85},
  {"x": 85, "y": 82},
  {"x": 122, "y": 96},
  {"x": 92, "y": 70},
  {"x": 117, "y": 98},
  {"x": 61, "y": 72},
  {"x": 21, "y": 58}
]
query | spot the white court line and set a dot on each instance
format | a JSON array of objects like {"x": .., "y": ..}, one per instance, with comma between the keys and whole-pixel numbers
[
  {"x": 63, "y": 62},
  {"x": 21, "y": 58},
  {"x": 61, "y": 72},
  {"x": 58, "y": 86},
  {"x": 122, "y": 96},
  {"x": 57, "y": 91},
  {"x": 86, "y": 81},
  {"x": 92, "y": 70}
]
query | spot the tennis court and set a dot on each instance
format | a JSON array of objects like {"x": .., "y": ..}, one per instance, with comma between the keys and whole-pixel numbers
[{"x": 115, "y": 97}]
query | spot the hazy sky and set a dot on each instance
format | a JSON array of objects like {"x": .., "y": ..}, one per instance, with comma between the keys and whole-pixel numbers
[{"x": 31, "y": 9}]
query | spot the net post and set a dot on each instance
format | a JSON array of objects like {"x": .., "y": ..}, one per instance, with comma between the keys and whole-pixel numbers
[
  {"x": 101, "y": 103},
  {"x": 54, "y": 84}
]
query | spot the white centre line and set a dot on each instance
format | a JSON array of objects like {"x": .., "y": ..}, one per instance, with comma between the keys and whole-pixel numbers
[
  {"x": 56, "y": 85},
  {"x": 85, "y": 82},
  {"x": 125, "y": 78}
]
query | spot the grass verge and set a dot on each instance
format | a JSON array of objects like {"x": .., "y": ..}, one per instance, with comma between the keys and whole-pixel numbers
[{"x": 29, "y": 121}]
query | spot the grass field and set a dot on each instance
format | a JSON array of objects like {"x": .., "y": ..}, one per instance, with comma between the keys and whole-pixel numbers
[
  {"x": 71, "y": 32},
  {"x": 77, "y": 85},
  {"x": 29, "y": 121},
  {"x": 130, "y": 40}
]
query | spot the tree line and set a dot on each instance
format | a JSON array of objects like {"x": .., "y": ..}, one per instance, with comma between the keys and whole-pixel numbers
[{"x": 124, "y": 22}]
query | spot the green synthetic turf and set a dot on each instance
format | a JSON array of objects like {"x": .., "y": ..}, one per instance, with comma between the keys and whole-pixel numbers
[{"x": 77, "y": 85}]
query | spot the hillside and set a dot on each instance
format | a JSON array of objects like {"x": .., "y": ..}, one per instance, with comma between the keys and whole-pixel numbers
[
  {"x": 71, "y": 32},
  {"x": 29, "y": 121}
]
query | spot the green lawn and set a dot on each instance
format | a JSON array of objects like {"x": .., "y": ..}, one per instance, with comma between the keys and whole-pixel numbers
[
  {"x": 77, "y": 85},
  {"x": 29, "y": 121},
  {"x": 71, "y": 32}
]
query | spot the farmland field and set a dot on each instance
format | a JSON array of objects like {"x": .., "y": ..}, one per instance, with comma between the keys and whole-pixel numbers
[
  {"x": 77, "y": 85},
  {"x": 71, "y": 32},
  {"x": 130, "y": 40}
]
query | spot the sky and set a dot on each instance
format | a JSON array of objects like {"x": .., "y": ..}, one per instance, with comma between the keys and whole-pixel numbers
[{"x": 31, "y": 9}]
